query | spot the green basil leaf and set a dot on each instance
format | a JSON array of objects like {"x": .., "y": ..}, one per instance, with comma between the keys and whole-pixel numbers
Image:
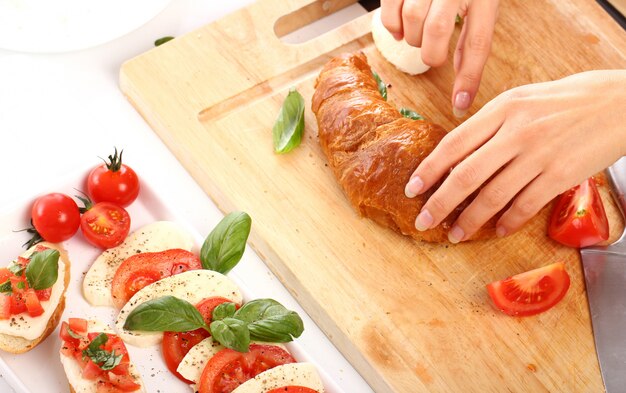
[
  {"x": 270, "y": 321},
  {"x": 167, "y": 313},
  {"x": 20, "y": 285},
  {"x": 104, "y": 359},
  {"x": 231, "y": 333},
  {"x": 43, "y": 269},
  {"x": 6, "y": 287},
  {"x": 163, "y": 40},
  {"x": 382, "y": 87},
  {"x": 411, "y": 114},
  {"x": 458, "y": 19},
  {"x": 289, "y": 126},
  {"x": 17, "y": 269},
  {"x": 224, "y": 310},
  {"x": 224, "y": 246}
]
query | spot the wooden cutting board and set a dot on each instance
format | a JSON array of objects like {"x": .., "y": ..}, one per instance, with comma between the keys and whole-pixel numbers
[{"x": 411, "y": 317}]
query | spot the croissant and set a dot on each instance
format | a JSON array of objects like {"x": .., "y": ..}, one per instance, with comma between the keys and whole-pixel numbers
[{"x": 373, "y": 150}]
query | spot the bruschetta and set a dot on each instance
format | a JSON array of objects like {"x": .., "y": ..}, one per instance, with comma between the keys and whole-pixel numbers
[{"x": 32, "y": 296}]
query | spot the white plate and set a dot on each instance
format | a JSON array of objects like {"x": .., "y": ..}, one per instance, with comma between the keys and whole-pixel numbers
[
  {"x": 40, "y": 370},
  {"x": 49, "y": 26}
]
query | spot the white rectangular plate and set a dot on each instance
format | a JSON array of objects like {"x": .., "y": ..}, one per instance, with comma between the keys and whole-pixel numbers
[{"x": 40, "y": 369}]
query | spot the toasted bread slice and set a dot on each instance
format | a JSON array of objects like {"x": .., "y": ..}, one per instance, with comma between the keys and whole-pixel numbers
[{"x": 15, "y": 344}]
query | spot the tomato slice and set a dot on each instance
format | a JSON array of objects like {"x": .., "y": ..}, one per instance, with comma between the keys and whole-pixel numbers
[
  {"x": 228, "y": 369},
  {"x": 78, "y": 325},
  {"x": 531, "y": 292},
  {"x": 293, "y": 389},
  {"x": 578, "y": 218},
  {"x": 105, "y": 225},
  {"x": 177, "y": 345},
  {"x": 125, "y": 383},
  {"x": 143, "y": 269}
]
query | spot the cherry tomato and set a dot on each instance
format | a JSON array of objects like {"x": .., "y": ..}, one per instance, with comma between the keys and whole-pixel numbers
[
  {"x": 531, "y": 292},
  {"x": 293, "y": 389},
  {"x": 56, "y": 217},
  {"x": 578, "y": 219},
  {"x": 141, "y": 270},
  {"x": 176, "y": 345},
  {"x": 113, "y": 182},
  {"x": 228, "y": 369},
  {"x": 105, "y": 225}
]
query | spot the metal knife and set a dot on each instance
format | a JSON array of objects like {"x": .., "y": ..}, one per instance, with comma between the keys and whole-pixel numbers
[{"x": 605, "y": 278}]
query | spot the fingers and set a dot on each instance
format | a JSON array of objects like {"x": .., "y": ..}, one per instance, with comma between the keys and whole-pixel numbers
[
  {"x": 391, "y": 16},
  {"x": 438, "y": 29},
  {"x": 413, "y": 16},
  {"x": 464, "y": 179},
  {"x": 528, "y": 203},
  {"x": 493, "y": 198},
  {"x": 458, "y": 52},
  {"x": 455, "y": 146},
  {"x": 473, "y": 51}
]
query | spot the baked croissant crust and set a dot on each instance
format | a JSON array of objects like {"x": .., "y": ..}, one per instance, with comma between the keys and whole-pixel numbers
[{"x": 373, "y": 149}]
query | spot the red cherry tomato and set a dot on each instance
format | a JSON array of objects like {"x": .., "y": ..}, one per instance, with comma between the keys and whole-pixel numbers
[
  {"x": 141, "y": 270},
  {"x": 176, "y": 345},
  {"x": 113, "y": 182},
  {"x": 56, "y": 217},
  {"x": 228, "y": 369},
  {"x": 578, "y": 219},
  {"x": 105, "y": 225},
  {"x": 531, "y": 292}
]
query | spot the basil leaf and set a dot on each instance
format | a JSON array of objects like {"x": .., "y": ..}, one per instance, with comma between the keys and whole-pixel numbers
[
  {"x": 17, "y": 269},
  {"x": 270, "y": 321},
  {"x": 411, "y": 114},
  {"x": 231, "y": 333},
  {"x": 382, "y": 87},
  {"x": 458, "y": 19},
  {"x": 167, "y": 313},
  {"x": 43, "y": 269},
  {"x": 104, "y": 359},
  {"x": 224, "y": 310},
  {"x": 289, "y": 126},
  {"x": 224, "y": 246},
  {"x": 163, "y": 40},
  {"x": 6, "y": 287}
]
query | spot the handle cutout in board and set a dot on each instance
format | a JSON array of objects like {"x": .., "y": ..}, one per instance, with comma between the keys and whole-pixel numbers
[{"x": 315, "y": 19}]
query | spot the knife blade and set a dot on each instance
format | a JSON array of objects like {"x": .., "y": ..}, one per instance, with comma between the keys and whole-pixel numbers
[{"x": 605, "y": 278}]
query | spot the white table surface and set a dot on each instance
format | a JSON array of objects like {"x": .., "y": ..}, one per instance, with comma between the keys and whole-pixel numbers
[{"x": 58, "y": 112}]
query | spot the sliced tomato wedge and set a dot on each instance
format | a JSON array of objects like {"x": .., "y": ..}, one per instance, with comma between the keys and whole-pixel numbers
[
  {"x": 125, "y": 383},
  {"x": 141, "y": 270},
  {"x": 578, "y": 218},
  {"x": 531, "y": 292},
  {"x": 33, "y": 305},
  {"x": 78, "y": 325},
  {"x": 293, "y": 389},
  {"x": 228, "y": 369},
  {"x": 177, "y": 345},
  {"x": 105, "y": 225}
]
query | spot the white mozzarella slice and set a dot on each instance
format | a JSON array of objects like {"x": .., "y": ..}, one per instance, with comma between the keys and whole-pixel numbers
[
  {"x": 155, "y": 237},
  {"x": 193, "y": 363},
  {"x": 192, "y": 286},
  {"x": 292, "y": 374}
]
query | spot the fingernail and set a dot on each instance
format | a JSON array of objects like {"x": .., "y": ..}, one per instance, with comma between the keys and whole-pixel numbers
[
  {"x": 456, "y": 234},
  {"x": 413, "y": 187},
  {"x": 423, "y": 221},
  {"x": 500, "y": 231},
  {"x": 461, "y": 103}
]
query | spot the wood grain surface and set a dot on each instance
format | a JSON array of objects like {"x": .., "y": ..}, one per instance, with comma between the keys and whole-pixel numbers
[{"x": 411, "y": 317}]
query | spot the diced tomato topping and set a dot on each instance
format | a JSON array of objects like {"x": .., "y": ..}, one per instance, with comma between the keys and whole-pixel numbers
[
  {"x": 65, "y": 335},
  {"x": 43, "y": 294},
  {"x": 125, "y": 383},
  {"x": 18, "y": 305},
  {"x": 92, "y": 370},
  {"x": 5, "y": 274},
  {"x": 78, "y": 325},
  {"x": 5, "y": 306},
  {"x": 32, "y": 303}
]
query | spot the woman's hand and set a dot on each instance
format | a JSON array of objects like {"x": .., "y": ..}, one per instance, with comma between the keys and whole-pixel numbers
[
  {"x": 429, "y": 24},
  {"x": 527, "y": 146}
]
